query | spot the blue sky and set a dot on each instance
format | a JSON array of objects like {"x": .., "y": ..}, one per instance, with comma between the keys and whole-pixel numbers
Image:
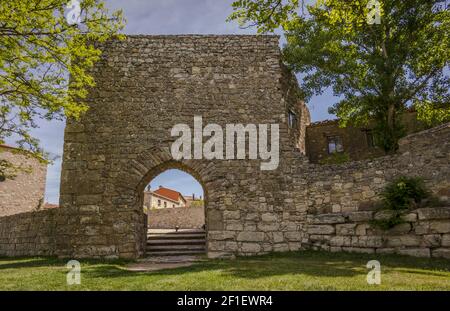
[{"x": 164, "y": 17}]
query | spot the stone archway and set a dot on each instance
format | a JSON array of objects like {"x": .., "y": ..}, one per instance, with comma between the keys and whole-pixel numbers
[
  {"x": 144, "y": 86},
  {"x": 130, "y": 183},
  {"x": 180, "y": 165}
]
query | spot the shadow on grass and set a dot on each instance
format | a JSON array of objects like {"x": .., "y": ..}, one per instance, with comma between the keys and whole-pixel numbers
[
  {"x": 317, "y": 264},
  {"x": 27, "y": 262},
  {"x": 37, "y": 262}
]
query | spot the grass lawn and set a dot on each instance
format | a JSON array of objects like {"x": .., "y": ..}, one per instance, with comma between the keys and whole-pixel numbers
[{"x": 306, "y": 270}]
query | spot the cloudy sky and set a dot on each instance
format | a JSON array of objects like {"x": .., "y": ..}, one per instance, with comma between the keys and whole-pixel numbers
[{"x": 164, "y": 17}]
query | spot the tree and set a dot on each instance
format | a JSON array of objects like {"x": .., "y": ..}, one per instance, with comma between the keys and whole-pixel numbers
[
  {"x": 379, "y": 56},
  {"x": 45, "y": 57}
]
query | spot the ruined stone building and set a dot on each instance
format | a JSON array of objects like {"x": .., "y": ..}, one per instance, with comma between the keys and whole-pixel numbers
[
  {"x": 147, "y": 84},
  {"x": 324, "y": 138}
]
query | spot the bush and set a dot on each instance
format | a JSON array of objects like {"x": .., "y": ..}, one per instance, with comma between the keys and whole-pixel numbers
[
  {"x": 403, "y": 192},
  {"x": 388, "y": 223}
]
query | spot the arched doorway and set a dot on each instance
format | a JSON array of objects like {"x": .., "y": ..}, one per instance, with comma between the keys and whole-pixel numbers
[
  {"x": 176, "y": 220},
  {"x": 173, "y": 233}
]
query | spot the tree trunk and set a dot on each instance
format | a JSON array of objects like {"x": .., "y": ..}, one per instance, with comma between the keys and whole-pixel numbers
[
  {"x": 391, "y": 128},
  {"x": 391, "y": 117}
]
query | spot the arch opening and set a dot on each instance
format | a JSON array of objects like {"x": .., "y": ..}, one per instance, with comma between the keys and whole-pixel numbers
[{"x": 173, "y": 200}]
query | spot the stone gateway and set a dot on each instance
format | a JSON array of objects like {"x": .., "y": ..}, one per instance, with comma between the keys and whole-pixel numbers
[{"x": 147, "y": 84}]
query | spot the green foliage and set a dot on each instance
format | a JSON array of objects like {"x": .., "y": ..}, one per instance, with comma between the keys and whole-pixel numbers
[
  {"x": 386, "y": 224},
  {"x": 377, "y": 69},
  {"x": 45, "y": 63},
  {"x": 433, "y": 113},
  {"x": 336, "y": 158},
  {"x": 403, "y": 192},
  {"x": 266, "y": 14},
  {"x": 400, "y": 195},
  {"x": 9, "y": 170},
  {"x": 386, "y": 137}
]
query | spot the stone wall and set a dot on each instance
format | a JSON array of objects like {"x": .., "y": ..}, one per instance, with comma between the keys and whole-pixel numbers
[
  {"x": 425, "y": 232},
  {"x": 28, "y": 234},
  {"x": 342, "y": 200},
  {"x": 354, "y": 186},
  {"x": 183, "y": 217},
  {"x": 26, "y": 191},
  {"x": 147, "y": 84}
]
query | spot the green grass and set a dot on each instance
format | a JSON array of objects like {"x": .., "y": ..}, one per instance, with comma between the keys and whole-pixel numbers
[{"x": 305, "y": 270}]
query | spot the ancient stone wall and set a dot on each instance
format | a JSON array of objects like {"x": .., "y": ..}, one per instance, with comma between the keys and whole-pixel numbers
[
  {"x": 25, "y": 192},
  {"x": 144, "y": 86},
  {"x": 354, "y": 186},
  {"x": 28, "y": 234},
  {"x": 181, "y": 217},
  {"x": 425, "y": 232},
  {"x": 147, "y": 84},
  {"x": 342, "y": 200}
]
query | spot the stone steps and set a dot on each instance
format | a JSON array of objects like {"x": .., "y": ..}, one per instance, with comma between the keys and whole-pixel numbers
[
  {"x": 175, "y": 253},
  {"x": 184, "y": 241},
  {"x": 175, "y": 243},
  {"x": 160, "y": 247},
  {"x": 175, "y": 237}
]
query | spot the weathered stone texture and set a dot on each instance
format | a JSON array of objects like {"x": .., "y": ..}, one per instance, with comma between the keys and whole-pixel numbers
[
  {"x": 147, "y": 84},
  {"x": 182, "y": 217},
  {"x": 357, "y": 235},
  {"x": 28, "y": 234},
  {"x": 25, "y": 192}
]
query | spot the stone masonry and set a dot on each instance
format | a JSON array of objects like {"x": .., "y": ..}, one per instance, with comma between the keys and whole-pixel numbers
[
  {"x": 181, "y": 217},
  {"x": 147, "y": 84},
  {"x": 25, "y": 192}
]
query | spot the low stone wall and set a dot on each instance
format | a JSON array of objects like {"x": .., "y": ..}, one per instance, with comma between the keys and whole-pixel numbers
[
  {"x": 354, "y": 186},
  {"x": 24, "y": 192},
  {"x": 169, "y": 218},
  {"x": 71, "y": 233},
  {"x": 28, "y": 234},
  {"x": 425, "y": 232}
]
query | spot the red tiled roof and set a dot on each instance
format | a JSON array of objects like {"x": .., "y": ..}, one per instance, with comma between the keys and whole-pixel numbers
[{"x": 169, "y": 193}]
